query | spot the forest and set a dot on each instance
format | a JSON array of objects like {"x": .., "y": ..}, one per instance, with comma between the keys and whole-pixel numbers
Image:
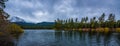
[{"x": 86, "y": 24}]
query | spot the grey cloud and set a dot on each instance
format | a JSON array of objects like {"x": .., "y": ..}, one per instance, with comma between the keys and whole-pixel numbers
[{"x": 49, "y": 10}]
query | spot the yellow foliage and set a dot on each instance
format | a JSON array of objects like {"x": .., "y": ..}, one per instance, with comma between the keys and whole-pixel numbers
[
  {"x": 100, "y": 29},
  {"x": 117, "y": 29},
  {"x": 106, "y": 30},
  {"x": 1, "y": 33},
  {"x": 14, "y": 29},
  {"x": 92, "y": 30},
  {"x": 80, "y": 29}
]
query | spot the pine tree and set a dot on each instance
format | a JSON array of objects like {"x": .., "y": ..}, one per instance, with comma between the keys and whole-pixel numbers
[{"x": 101, "y": 20}]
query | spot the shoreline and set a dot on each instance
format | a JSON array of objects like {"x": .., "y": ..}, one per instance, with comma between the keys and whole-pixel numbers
[{"x": 87, "y": 29}]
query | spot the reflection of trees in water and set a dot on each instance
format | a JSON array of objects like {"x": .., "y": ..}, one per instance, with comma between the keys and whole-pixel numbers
[
  {"x": 103, "y": 39},
  {"x": 88, "y": 38},
  {"x": 118, "y": 39}
]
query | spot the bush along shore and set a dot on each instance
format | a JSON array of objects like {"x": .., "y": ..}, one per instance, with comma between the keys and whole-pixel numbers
[
  {"x": 98, "y": 24},
  {"x": 8, "y": 31}
]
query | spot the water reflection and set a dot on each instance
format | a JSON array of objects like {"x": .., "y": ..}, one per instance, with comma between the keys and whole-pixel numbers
[
  {"x": 77, "y": 38},
  {"x": 68, "y": 38}
]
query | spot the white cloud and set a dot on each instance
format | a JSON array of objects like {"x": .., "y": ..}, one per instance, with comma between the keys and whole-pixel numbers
[
  {"x": 40, "y": 13},
  {"x": 41, "y": 16}
]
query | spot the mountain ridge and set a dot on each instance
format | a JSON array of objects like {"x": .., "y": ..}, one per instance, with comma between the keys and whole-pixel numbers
[{"x": 41, "y": 25}]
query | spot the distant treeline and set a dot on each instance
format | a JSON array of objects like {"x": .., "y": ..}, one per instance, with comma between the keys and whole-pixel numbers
[
  {"x": 86, "y": 23},
  {"x": 37, "y": 27},
  {"x": 42, "y": 25}
]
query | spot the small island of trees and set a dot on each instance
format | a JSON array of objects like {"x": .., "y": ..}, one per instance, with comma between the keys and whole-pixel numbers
[{"x": 94, "y": 24}]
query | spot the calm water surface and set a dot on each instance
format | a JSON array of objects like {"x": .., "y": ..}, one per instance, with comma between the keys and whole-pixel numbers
[{"x": 67, "y": 38}]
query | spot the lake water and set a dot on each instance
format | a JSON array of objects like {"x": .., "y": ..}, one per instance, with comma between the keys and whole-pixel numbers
[{"x": 67, "y": 38}]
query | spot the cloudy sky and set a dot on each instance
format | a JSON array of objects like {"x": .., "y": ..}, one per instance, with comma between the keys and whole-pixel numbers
[{"x": 49, "y": 10}]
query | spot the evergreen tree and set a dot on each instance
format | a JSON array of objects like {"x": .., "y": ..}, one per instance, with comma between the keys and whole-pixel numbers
[
  {"x": 101, "y": 23},
  {"x": 101, "y": 20},
  {"x": 111, "y": 20}
]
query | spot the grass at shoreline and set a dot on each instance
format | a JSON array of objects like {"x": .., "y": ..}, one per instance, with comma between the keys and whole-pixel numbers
[{"x": 96, "y": 29}]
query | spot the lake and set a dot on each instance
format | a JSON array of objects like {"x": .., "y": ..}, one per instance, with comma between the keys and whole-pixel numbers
[{"x": 67, "y": 38}]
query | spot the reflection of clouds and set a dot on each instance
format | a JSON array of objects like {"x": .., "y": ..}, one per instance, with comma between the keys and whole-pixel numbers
[{"x": 60, "y": 9}]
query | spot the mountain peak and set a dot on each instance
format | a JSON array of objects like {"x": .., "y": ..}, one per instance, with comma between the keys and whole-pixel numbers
[{"x": 16, "y": 19}]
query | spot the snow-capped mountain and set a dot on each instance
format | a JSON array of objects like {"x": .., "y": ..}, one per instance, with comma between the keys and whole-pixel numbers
[{"x": 16, "y": 19}]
